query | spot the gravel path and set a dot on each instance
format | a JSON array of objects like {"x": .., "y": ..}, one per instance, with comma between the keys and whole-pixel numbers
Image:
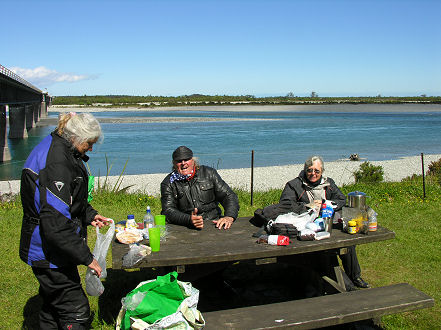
[{"x": 266, "y": 178}]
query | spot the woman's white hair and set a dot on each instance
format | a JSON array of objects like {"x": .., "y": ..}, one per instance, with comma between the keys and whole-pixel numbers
[
  {"x": 79, "y": 128},
  {"x": 310, "y": 161}
]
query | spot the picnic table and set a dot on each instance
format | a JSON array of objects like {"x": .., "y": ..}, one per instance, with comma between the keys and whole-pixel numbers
[{"x": 186, "y": 247}]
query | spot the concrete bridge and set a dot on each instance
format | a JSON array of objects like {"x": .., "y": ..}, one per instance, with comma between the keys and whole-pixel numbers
[{"x": 23, "y": 104}]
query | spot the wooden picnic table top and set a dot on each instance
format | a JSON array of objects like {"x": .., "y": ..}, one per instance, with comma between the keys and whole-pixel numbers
[{"x": 184, "y": 246}]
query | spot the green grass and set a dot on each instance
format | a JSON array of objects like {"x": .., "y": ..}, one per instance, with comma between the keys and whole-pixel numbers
[{"x": 412, "y": 257}]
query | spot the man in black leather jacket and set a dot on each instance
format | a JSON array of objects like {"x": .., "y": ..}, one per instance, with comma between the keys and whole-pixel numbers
[{"x": 191, "y": 194}]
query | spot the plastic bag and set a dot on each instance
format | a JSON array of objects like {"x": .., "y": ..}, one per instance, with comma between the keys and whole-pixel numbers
[
  {"x": 306, "y": 235},
  {"x": 94, "y": 287},
  {"x": 135, "y": 254},
  {"x": 297, "y": 220},
  {"x": 164, "y": 303}
]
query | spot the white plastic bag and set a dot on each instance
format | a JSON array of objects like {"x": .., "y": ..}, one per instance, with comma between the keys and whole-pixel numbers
[
  {"x": 94, "y": 287},
  {"x": 297, "y": 220}
]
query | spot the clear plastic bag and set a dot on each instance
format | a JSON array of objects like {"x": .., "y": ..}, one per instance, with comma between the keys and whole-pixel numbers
[
  {"x": 130, "y": 302},
  {"x": 135, "y": 254},
  {"x": 94, "y": 287}
]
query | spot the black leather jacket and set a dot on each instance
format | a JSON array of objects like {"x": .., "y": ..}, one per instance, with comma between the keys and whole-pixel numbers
[{"x": 204, "y": 192}]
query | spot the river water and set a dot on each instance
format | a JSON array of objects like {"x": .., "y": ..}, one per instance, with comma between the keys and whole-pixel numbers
[{"x": 278, "y": 136}]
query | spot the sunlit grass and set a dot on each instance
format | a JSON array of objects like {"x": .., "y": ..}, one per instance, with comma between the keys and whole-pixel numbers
[{"x": 412, "y": 257}]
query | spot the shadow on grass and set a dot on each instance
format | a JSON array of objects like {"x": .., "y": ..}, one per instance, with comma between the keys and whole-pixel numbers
[
  {"x": 31, "y": 311},
  {"x": 239, "y": 285}
]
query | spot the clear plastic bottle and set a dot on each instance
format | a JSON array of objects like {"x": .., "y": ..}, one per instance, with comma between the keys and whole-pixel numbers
[
  {"x": 131, "y": 223},
  {"x": 149, "y": 222},
  {"x": 372, "y": 217}
]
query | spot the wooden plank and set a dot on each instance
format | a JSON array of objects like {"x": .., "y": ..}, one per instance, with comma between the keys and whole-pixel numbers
[
  {"x": 322, "y": 311},
  {"x": 186, "y": 246}
]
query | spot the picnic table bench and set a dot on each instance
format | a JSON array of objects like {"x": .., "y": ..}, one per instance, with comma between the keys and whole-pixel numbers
[
  {"x": 323, "y": 311},
  {"x": 185, "y": 247}
]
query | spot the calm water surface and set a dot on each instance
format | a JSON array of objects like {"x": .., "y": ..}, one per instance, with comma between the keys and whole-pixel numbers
[{"x": 277, "y": 137}]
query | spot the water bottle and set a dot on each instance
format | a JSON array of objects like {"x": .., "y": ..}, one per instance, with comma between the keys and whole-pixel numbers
[{"x": 149, "y": 222}]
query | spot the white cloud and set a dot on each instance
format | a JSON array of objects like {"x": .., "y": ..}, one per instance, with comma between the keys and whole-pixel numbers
[{"x": 43, "y": 76}]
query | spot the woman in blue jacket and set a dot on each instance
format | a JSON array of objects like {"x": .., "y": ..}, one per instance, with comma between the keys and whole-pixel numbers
[{"x": 54, "y": 191}]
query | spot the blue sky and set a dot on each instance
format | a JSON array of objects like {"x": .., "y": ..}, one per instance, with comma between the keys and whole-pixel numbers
[{"x": 237, "y": 47}]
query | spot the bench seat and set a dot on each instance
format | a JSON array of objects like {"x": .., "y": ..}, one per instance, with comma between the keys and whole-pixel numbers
[{"x": 323, "y": 311}]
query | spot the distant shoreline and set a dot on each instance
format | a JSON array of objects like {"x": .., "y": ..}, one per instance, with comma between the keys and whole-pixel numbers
[
  {"x": 344, "y": 107},
  {"x": 317, "y": 108}
]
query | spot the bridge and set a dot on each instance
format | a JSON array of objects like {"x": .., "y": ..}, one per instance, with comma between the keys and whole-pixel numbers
[{"x": 24, "y": 105}]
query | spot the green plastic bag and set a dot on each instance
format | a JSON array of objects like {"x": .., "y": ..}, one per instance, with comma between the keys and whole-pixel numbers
[
  {"x": 160, "y": 298},
  {"x": 90, "y": 188}
]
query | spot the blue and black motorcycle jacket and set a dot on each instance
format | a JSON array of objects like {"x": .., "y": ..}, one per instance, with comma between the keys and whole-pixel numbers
[{"x": 54, "y": 184}]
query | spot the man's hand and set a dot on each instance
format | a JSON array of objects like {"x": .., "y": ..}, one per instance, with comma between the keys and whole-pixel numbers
[
  {"x": 225, "y": 222},
  {"x": 94, "y": 265},
  {"x": 100, "y": 221},
  {"x": 197, "y": 220}
]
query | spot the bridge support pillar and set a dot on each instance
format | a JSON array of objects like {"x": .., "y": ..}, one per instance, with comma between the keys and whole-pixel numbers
[
  {"x": 36, "y": 111},
  {"x": 29, "y": 117},
  {"x": 5, "y": 154},
  {"x": 17, "y": 122},
  {"x": 43, "y": 109}
]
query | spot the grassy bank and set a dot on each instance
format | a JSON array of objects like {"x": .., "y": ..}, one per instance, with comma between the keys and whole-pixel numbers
[
  {"x": 206, "y": 100},
  {"x": 412, "y": 257}
]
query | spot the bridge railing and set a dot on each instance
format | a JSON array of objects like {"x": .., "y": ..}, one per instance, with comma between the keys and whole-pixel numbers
[{"x": 16, "y": 77}]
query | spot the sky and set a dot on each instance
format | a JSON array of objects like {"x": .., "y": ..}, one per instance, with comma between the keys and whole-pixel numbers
[{"x": 230, "y": 47}]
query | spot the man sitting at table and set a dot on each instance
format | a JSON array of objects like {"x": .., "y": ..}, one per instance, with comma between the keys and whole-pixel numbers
[
  {"x": 191, "y": 194},
  {"x": 307, "y": 191}
]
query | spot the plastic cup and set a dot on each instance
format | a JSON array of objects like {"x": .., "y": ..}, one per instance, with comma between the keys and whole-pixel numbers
[
  {"x": 154, "y": 238},
  {"x": 160, "y": 220}
]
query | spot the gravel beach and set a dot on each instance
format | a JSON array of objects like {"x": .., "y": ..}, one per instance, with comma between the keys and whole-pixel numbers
[{"x": 265, "y": 178}]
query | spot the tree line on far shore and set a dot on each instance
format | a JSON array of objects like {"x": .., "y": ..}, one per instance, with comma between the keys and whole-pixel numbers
[{"x": 200, "y": 99}]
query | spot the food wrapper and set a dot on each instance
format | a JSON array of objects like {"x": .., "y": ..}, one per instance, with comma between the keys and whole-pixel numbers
[
  {"x": 129, "y": 236},
  {"x": 120, "y": 226},
  {"x": 278, "y": 240},
  {"x": 327, "y": 210},
  {"x": 306, "y": 235}
]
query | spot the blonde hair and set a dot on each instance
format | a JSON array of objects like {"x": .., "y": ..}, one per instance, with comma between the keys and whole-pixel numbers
[{"x": 79, "y": 128}]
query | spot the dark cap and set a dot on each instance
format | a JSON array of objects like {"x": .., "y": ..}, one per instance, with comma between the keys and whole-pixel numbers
[{"x": 182, "y": 152}]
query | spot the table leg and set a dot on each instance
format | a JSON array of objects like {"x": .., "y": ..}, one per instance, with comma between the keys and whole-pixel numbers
[{"x": 339, "y": 285}]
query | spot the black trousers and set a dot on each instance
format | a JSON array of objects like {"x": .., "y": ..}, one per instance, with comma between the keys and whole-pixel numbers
[
  {"x": 350, "y": 263},
  {"x": 65, "y": 305}
]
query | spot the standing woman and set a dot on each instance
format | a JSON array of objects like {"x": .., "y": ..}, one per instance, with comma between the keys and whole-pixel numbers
[{"x": 56, "y": 212}]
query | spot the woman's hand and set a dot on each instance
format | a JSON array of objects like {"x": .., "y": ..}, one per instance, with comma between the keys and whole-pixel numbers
[
  {"x": 95, "y": 266},
  {"x": 225, "y": 222},
  {"x": 100, "y": 221}
]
